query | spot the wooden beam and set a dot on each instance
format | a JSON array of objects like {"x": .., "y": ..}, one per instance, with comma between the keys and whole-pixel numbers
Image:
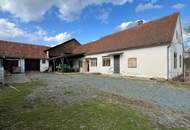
[{"x": 54, "y": 65}]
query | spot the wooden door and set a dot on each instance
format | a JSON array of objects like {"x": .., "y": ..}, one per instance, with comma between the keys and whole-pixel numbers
[{"x": 117, "y": 64}]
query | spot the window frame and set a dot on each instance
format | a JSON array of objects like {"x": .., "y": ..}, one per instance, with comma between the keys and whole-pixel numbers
[
  {"x": 177, "y": 36},
  {"x": 180, "y": 61},
  {"x": 175, "y": 60},
  {"x": 80, "y": 64},
  {"x": 133, "y": 65},
  {"x": 95, "y": 62},
  {"x": 43, "y": 61},
  {"x": 104, "y": 63}
]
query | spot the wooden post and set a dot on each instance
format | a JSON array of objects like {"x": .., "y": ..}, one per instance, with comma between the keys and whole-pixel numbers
[
  {"x": 62, "y": 62},
  {"x": 54, "y": 65}
]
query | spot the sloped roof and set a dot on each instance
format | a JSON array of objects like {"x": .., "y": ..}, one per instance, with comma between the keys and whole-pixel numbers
[
  {"x": 154, "y": 33},
  {"x": 21, "y": 50},
  {"x": 64, "y": 44}
]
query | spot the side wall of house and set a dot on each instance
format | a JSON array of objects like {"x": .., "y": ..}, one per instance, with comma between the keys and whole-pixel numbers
[
  {"x": 44, "y": 66},
  {"x": 100, "y": 68},
  {"x": 1, "y": 72},
  {"x": 21, "y": 64},
  {"x": 177, "y": 48},
  {"x": 151, "y": 62}
]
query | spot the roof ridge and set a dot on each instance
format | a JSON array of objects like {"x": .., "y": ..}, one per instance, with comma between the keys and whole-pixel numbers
[
  {"x": 164, "y": 17},
  {"x": 158, "y": 35},
  {"x": 176, "y": 13},
  {"x": 21, "y": 43}
]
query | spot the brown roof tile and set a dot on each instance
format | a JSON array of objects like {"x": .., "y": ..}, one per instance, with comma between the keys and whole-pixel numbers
[
  {"x": 154, "y": 33},
  {"x": 21, "y": 50}
]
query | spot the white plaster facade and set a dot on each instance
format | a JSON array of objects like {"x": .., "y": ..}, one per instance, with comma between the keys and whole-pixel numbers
[
  {"x": 152, "y": 62},
  {"x": 176, "y": 47},
  {"x": 21, "y": 64},
  {"x": 44, "y": 66},
  {"x": 1, "y": 72}
]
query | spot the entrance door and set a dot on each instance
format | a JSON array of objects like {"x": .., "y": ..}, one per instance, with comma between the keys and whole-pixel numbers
[
  {"x": 117, "y": 64},
  {"x": 88, "y": 66}
]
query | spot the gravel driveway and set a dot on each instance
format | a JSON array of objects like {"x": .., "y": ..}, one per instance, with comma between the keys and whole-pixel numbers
[
  {"x": 171, "y": 104},
  {"x": 163, "y": 94}
]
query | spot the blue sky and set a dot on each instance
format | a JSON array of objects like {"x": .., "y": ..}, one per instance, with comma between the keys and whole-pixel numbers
[{"x": 49, "y": 22}]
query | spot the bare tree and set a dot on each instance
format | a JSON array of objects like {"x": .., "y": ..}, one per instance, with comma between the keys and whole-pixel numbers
[{"x": 187, "y": 35}]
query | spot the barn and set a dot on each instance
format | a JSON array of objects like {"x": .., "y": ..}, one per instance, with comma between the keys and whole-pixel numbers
[{"x": 21, "y": 57}]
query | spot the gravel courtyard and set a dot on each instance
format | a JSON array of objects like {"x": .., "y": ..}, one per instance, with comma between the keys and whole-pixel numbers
[{"x": 165, "y": 103}]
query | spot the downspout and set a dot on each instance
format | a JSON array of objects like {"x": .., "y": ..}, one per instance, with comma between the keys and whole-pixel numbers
[
  {"x": 183, "y": 53},
  {"x": 183, "y": 50}
]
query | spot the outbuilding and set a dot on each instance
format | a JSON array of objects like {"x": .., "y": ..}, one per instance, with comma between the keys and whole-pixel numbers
[{"x": 20, "y": 57}]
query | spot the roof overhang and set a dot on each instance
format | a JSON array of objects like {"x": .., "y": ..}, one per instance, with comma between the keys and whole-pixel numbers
[{"x": 114, "y": 54}]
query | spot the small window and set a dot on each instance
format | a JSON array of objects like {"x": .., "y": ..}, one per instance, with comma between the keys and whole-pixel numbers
[
  {"x": 175, "y": 60},
  {"x": 177, "y": 36},
  {"x": 94, "y": 62},
  {"x": 180, "y": 61},
  {"x": 132, "y": 63},
  {"x": 43, "y": 61},
  {"x": 80, "y": 63},
  {"x": 106, "y": 62}
]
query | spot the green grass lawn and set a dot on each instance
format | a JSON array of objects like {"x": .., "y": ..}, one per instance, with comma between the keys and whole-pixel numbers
[{"x": 16, "y": 113}]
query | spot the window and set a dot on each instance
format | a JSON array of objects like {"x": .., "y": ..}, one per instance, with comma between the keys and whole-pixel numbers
[
  {"x": 180, "y": 61},
  {"x": 94, "y": 62},
  {"x": 106, "y": 62},
  {"x": 175, "y": 60},
  {"x": 177, "y": 36},
  {"x": 43, "y": 61},
  {"x": 132, "y": 63},
  {"x": 80, "y": 63}
]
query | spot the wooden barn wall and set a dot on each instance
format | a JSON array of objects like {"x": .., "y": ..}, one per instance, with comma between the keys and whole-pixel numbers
[{"x": 64, "y": 48}]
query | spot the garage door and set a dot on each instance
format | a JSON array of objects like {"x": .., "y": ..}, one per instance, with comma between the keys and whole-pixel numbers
[{"x": 32, "y": 65}]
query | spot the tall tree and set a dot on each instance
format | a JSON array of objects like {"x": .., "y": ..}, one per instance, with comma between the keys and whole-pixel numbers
[{"x": 187, "y": 35}]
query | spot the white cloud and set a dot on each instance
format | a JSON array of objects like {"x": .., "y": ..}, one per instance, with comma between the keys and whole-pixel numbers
[
  {"x": 40, "y": 32},
  {"x": 147, "y": 6},
  {"x": 58, "y": 38},
  {"x": 103, "y": 14},
  {"x": 69, "y": 10},
  {"x": 178, "y": 6},
  {"x": 10, "y": 30},
  {"x": 126, "y": 25},
  {"x": 27, "y": 10}
]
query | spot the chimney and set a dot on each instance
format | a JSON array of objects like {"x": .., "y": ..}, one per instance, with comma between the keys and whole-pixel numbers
[{"x": 139, "y": 22}]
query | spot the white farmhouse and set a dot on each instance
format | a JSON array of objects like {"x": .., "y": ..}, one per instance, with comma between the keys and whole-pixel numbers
[{"x": 153, "y": 50}]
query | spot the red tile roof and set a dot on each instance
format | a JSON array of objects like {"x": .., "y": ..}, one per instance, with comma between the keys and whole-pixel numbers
[
  {"x": 154, "y": 33},
  {"x": 21, "y": 50}
]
